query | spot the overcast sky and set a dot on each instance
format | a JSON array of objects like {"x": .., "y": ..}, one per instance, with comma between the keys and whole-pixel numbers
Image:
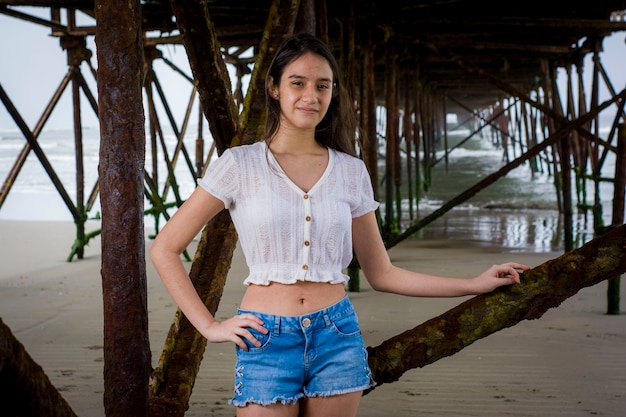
[{"x": 33, "y": 65}]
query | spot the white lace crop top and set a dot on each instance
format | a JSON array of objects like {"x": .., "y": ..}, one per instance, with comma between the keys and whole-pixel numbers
[{"x": 288, "y": 235}]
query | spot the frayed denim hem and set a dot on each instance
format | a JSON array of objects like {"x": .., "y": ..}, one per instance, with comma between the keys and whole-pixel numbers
[
  {"x": 292, "y": 401},
  {"x": 281, "y": 400},
  {"x": 340, "y": 391}
]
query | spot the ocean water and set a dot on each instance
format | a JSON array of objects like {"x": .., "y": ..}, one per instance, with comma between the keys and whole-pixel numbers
[
  {"x": 33, "y": 196},
  {"x": 518, "y": 212}
]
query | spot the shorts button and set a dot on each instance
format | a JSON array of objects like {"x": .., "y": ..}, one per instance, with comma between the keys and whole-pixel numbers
[{"x": 306, "y": 322}]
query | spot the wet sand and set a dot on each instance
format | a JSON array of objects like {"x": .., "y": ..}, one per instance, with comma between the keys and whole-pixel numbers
[{"x": 571, "y": 362}]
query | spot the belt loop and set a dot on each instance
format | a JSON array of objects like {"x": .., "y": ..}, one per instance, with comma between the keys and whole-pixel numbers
[
  {"x": 327, "y": 319},
  {"x": 276, "y": 325}
]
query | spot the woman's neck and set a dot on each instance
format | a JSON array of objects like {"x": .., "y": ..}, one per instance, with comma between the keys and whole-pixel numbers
[{"x": 296, "y": 142}]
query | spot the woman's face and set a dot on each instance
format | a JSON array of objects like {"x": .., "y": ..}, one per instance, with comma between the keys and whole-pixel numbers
[{"x": 305, "y": 92}]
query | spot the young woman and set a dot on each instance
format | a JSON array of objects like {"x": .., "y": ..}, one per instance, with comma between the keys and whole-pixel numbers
[{"x": 301, "y": 202}]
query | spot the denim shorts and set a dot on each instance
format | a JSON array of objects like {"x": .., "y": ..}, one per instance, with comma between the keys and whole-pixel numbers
[{"x": 315, "y": 355}]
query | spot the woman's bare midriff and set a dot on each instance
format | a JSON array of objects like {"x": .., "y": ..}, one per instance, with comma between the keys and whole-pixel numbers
[{"x": 292, "y": 299}]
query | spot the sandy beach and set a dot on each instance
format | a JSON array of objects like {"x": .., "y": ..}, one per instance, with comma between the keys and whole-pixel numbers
[{"x": 571, "y": 362}]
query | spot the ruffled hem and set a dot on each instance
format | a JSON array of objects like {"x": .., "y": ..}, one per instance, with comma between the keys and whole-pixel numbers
[{"x": 267, "y": 278}]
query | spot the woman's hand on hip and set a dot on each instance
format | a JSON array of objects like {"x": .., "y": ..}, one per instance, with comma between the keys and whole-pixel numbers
[{"x": 235, "y": 330}]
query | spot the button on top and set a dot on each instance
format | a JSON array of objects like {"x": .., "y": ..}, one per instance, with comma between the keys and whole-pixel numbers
[
  {"x": 306, "y": 196},
  {"x": 306, "y": 322}
]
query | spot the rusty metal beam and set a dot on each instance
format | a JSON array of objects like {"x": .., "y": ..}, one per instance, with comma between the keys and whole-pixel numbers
[
  {"x": 209, "y": 70},
  {"x": 127, "y": 364},
  {"x": 543, "y": 287},
  {"x": 26, "y": 389}
]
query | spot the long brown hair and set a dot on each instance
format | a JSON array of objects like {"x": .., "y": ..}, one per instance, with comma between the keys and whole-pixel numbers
[{"x": 337, "y": 129}]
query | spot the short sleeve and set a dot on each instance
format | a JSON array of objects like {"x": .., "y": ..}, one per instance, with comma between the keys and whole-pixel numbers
[
  {"x": 221, "y": 178},
  {"x": 365, "y": 194}
]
